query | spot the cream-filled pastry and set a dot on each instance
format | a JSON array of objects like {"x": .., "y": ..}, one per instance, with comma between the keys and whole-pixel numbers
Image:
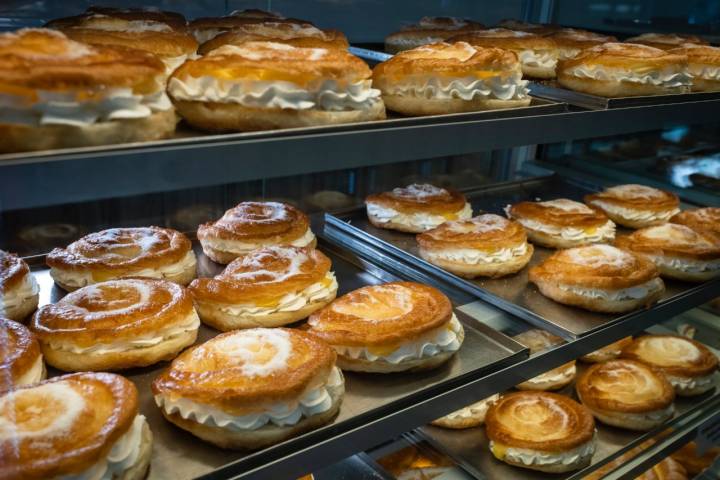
[
  {"x": 666, "y": 41},
  {"x": 149, "y": 252},
  {"x": 487, "y": 245},
  {"x": 416, "y": 208},
  {"x": 252, "y": 225},
  {"x": 268, "y": 85},
  {"x": 467, "y": 417},
  {"x": 608, "y": 352},
  {"x": 391, "y": 327},
  {"x": 19, "y": 291},
  {"x": 538, "y": 55},
  {"x": 537, "y": 28},
  {"x": 703, "y": 66},
  {"x": 251, "y": 388},
  {"x": 600, "y": 278},
  {"x": 537, "y": 341},
  {"x": 689, "y": 365},
  {"x": 571, "y": 41},
  {"x": 678, "y": 251},
  {"x": 205, "y": 29},
  {"x": 21, "y": 361},
  {"x": 78, "y": 426},
  {"x": 541, "y": 431},
  {"x": 635, "y": 206},
  {"x": 705, "y": 220},
  {"x": 59, "y": 93},
  {"x": 268, "y": 287},
  {"x": 562, "y": 223},
  {"x": 627, "y": 394},
  {"x": 451, "y": 78},
  {"x": 142, "y": 14},
  {"x": 428, "y": 30},
  {"x": 115, "y": 325},
  {"x": 692, "y": 460},
  {"x": 624, "y": 70}
]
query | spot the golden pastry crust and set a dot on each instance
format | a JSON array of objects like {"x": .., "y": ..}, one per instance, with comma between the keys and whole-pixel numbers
[
  {"x": 384, "y": 315},
  {"x": 537, "y": 341},
  {"x": 672, "y": 240},
  {"x": 206, "y": 28},
  {"x": 666, "y": 41},
  {"x": 469, "y": 417},
  {"x": 700, "y": 219},
  {"x": 97, "y": 13},
  {"x": 638, "y": 198},
  {"x": 428, "y": 30},
  {"x": 19, "y": 352},
  {"x": 506, "y": 39},
  {"x": 13, "y": 270},
  {"x": 608, "y": 352},
  {"x": 703, "y": 62},
  {"x": 537, "y": 28},
  {"x": 14, "y": 278},
  {"x": 666, "y": 469},
  {"x": 573, "y": 38},
  {"x": 487, "y": 232},
  {"x": 673, "y": 355},
  {"x": 108, "y": 409},
  {"x": 532, "y": 420},
  {"x": 162, "y": 44},
  {"x": 694, "y": 463},
  {"x": 423, "y": 198}
]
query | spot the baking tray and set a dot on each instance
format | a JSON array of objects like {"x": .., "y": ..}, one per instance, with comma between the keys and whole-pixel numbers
[
  {"x": 178, "y": 454},
  {"x": 513, "y": 293}
]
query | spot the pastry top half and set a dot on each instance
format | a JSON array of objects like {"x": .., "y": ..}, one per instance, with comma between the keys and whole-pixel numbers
[
  {"x": 106, "y": 15},
  {"x": 538, "y": 28},
  {"x": 506, "y": 39},
  {"x": 206, "y": 28},
  {"x": 672, "y": 240},
  {"x": 666, "y": 469},
  {"x": 487, "y": 232},
  {"x": 572, "y": 38},
  {"x": 538, "y": 340},
  {"x": 539, "y": 421},
  {"x": 433, "y": 29},
  {"x": 257, "y": 221},
  {"x": 673, "y": 354},
  {"x": 666, "y": 41},
  {"x": 13, "y": 271},
  {"x": 423, "y": 198},
  {"x": 19, "y": 351},
  {"x": 382, "y": 315},
  {"x": 703, "y": 61},
  {"x": 558, "y": 213},
  {"x": 62, "y": 426},
  {"x": 700, "y": 219},
  {"x": 634, "y": 197},
  {"x": 244, "y": 371},
  {"x": 625, "y": 386}
]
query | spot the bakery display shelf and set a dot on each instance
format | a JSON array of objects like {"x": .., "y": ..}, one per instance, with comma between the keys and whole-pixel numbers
[
  {"x": 369, "y": 401},
  {"x": 514, "y": 293}
]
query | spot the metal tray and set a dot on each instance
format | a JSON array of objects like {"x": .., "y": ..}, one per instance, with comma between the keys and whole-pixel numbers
[
  {"x": 514, "y": 293},
  {"x": 368, "y": 398}
]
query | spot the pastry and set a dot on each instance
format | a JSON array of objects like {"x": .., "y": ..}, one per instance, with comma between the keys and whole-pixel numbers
[
  {"x": 706, "y": 220},
  {"x": 428, "y": 30},
  {"x": 626, "y": 394},
  {"x": 328, "y": 200},
  {"x": 21, "y": 362},
  {"x": 635, "y": 206},
  {"x": 538, "y": 55},
  {"x": 268, "y": 85},
  {"x": 268, "y": 287},
  {"x": 487, "y": 245},
  {"x": 468, "y": 417},
  {"x": 115, "y": 325},
  {"x": 571, "y": 41},
  {"x": 562, "y": 223},
  {"x": 19, "y": 291},
  {"x": 541, "y": 431},
  {"x": 537, "y": 341},
  {"x": 451, "y": 78},
  {"x": 173, "y": 19},
  {"x": 688, "y": 365},
  {"x": 703, "y": 66},
  {"x": 537, "y": 28},
  {"x": 44, "y": 237},
  {"x": 689, "y": 457},
  {"x": 417, "y": 462},
  {"x": 666, "y": 41},
  {"x": 206, "y": 28},
  {"x": 251, "y": 388},
  {"x": 666, "y": 469},
  {"x": 678, "y": 251},
  {"x": 84, "y": 425},
  {"x": 60, "y": 93},
  {"x": 600, "y": 278},
  {"x": 294, "y": 34},
  {"x": 608, "y": 352},
  {"x": 253, "y": 225},
  {"x": 392, "y": 327},
  {"x": 624, "y": 70},
  {"x": 151, "y": 252},
  {"x": 416, "y": 208}
]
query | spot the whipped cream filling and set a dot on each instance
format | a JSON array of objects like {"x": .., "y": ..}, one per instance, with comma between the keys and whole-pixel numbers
[
  {"x": 477, "y": 409},
  {"x": 565, "y": 53},
  {"x": 533, "y": 58},
  {"x": 528, "y": 456},
  {"x": 188, "y": 324},
  {"x": 555, "y": 375},
  {"x": 15, "y": 297},
  {"x": 471, "y": 256},
  {"x": 705, "y": 72},
  {"x": 203, "y": 35},
  {"x": 631, "y": 293},
  {"x": 312, "y": 402},
  {"x": 636, "y": 214},
  {"x": 686, "y": 264},
  {"x": 55, "y": 108},
  {"x": 34, "y": 374},
  {"x": 440, "y": 340},
  {"x": 420, "y": 220},
  {"x": 511, "y": 87},
  {"x": 290, "y": 302},
  {"x": 663, "y": 78},
  {"x": 683, "y": 384},
  {"x": 603, "y": 233},
  {"x": 123, "y": 455},
  {"x": 328, "y": 95},
  {"x": 241, "y": 248},
  {"x": 83, "y": 278},
  {"x": 171, "y": 63}
]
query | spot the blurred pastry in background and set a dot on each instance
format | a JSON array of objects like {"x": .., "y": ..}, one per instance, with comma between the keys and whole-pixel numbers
[
  {"x": 703, "y": 66},
  {"x": 428, "y": 30},
  {"x": 665, "y": 469},
  {"x": 174, "y": 19},
  {"x": 571, "y": 41},
  {"x": 700, "y": 219},
  {"x": 468, "y": 417},
  {"x": 417, "y": 463},
  {"x": 608, "y": 352},
  {"x": 188, "y": 218},
  {"x": 635, "y": 206},
  {"x": 328, "y": 200},
  {"x": 666, "y": 41},
  {"x": 21, "y": 361},
  {"x": 537, "y": 28},
  {"x": 207, "y": 28},
  {"x": 44, "y": 237},
  {"x": 689, "y": 457},
  {"x": 537, "y": 341},
  {"x": 19, "y": 291}
]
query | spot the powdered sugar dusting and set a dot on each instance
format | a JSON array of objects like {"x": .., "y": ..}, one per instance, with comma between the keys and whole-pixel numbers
[
  {"x": 596, "y": 256},
  {"x": 634, "y": 191},
  {"x": 481, "y": 224},
  {"x": 252, "y": 267},
  {"x": 420, "y": 191}
]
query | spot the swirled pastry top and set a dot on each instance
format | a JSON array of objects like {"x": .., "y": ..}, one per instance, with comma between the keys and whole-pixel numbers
[
  {"x": 560, "y": 213},
  {"x": 673, "y": 354},
  {"x": 378, "y": 315},
  {"x": 674, "y": 240},
  {"x": 294, "y": 34},
  {"x": 40, "y": 59},
  {"x": 420, "y": 198},
  {"x": 634, "y": 196},
  {"x": 13, "y": 270},
  {"x": 19, "y": 350},
  {"x": 624, "y": 386},
  {"x": 264, "y": 275},
  {"x": 62, "y": 426},
  {"x": 700, "y": 219},
  {"x": 507, "y": 39},
  {"x": 268, "y": 61},
  {"x": 485, "y": 232},
  {"x": 580, "y": 39},
  {"x": 112, "y": 311},
  {"x": 539, "y": 421},
  {"x": 242, "y": 371},
  {"x": 122, "y": 250},
  {"x": 98, "y": 15},
  {"x": 627, "y": 56},
  {"x": 595, "y": 266},
  {"x": 249, "y": 221},
  {"x": 666, "y": 41}
]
